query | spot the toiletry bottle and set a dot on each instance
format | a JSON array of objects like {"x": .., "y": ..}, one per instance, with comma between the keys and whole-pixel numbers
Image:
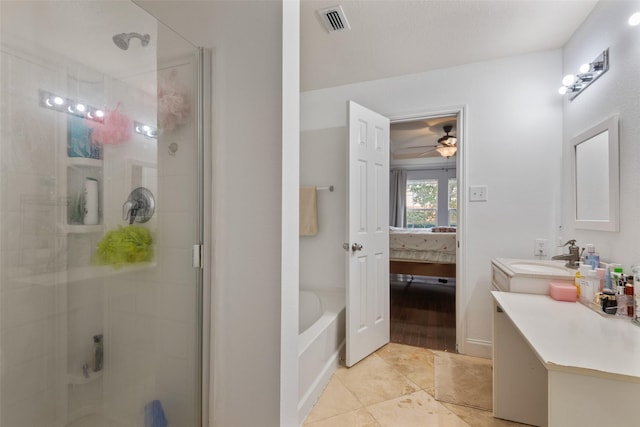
[
  {"x": 98, "y": 356},
  {"x": 616, "y": 273},
  {"x": 607, "y": 279},
  {"x": 584, "y": 284},
  {"x": 592, "y": 257},
  {"x": 594, "y": 283},
  {"x": 621, "y": 298},
  {"x": 577, "y": 283},
  {"x": 600, "y": 272},
  {"x": 636, "y": 294},
  {"x": 628, "y": 292}
]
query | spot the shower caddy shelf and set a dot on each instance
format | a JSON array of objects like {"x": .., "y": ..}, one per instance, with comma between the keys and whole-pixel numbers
[
  {"x": 79, "y": 274},
  {"x": 79, "y": 168},
  {"x": 79, "y": 379},
  {"x": 83, "y": 161}
]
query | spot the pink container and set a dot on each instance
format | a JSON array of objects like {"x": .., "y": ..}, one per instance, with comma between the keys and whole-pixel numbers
[{"x": 563, "y": 291}]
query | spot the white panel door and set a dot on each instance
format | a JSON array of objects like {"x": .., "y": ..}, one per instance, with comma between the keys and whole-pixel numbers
[{"x": 368, "y": 234}]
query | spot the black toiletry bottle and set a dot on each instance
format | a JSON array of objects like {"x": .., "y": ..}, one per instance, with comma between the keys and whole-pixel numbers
[{"x": 98, "y": 357}]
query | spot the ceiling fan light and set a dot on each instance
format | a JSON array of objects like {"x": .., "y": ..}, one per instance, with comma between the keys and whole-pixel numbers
[{"x": 447, "y": 151}]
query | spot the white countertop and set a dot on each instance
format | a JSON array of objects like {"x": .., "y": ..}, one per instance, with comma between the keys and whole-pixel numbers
[{"x": 569, "y": 336}]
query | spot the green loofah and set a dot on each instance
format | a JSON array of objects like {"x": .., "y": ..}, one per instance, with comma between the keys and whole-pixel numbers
[{"x": 125, "y": 245}]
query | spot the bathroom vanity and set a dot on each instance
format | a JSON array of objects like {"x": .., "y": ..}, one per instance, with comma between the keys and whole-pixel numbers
[{"x": 560, "y": 364}]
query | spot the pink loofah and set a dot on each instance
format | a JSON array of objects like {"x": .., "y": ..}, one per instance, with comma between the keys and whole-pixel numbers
[
  {"x": 116, "y": 128},
  {"x": 173, "y": 105}
]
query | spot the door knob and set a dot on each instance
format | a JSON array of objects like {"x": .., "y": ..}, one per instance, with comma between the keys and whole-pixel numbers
[{"x": 356, "y": 247}]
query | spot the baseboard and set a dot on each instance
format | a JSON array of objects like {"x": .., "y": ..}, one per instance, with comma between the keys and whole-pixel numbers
[
  {"x": 477, "y": 348},
  {"x": 315, "y": 391}
]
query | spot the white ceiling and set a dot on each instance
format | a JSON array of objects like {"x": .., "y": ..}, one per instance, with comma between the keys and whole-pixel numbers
[
  {"x": 393, "y": 38},
  {"x": 418, "y": 139}
]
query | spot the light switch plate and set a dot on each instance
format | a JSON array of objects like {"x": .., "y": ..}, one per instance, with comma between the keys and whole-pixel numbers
[{"x": 478, "y": 193}]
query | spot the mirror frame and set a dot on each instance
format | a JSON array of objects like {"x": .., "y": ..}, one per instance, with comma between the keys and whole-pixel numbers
[{"x": 612, "y": 224}]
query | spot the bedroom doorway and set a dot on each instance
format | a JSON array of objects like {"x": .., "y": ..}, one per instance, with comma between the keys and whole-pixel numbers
[{"x": 424, "y": 231}]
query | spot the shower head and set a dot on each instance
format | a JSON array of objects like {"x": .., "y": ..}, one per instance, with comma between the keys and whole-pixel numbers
[{"x": 122, "y": 40}]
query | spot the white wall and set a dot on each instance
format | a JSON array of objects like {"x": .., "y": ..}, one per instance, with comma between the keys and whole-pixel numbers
[
  {"x": 616, "y": 92},
  {"x": 247, "y": 213},
  {"x": 323, "y": 162},
  {"x": 513, "y": 145}
]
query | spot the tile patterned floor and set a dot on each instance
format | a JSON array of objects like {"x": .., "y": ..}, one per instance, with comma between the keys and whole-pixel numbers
[{"x": 394, "y": 387}]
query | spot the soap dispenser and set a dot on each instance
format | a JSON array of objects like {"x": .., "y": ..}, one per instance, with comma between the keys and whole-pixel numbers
[{"x": 592, "y": 257}]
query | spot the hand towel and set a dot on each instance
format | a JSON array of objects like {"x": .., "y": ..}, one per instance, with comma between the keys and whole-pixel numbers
[
  {"x": 154, "y": 415},
  {"x": 308, "y": 211}
]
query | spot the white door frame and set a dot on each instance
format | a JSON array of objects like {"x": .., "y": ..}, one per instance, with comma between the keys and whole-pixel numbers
[{"x": 461, "y": 171}]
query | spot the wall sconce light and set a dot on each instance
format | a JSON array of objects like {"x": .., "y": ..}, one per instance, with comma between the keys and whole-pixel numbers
[
  {"x": 70, "y": 106},
  {"x": 588, "y": 73},
  {"x": 79, "y": 109},
  {"x": 145, "y": 130},
  {"x": 634, "y": 20}
]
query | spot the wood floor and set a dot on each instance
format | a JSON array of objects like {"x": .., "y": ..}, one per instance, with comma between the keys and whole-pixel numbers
[{"x": 423, "y": 314}]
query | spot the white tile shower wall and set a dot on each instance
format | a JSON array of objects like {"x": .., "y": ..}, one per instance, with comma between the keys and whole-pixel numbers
[
  {"x": 129, "y": 298},
  {"x": 32, "y": 317},
  {"x": 85, "y": 319},
  {"x": 150, "y": 330},
  {"x": 151, "y": 313},
  {"x": 177, "y": 337}
]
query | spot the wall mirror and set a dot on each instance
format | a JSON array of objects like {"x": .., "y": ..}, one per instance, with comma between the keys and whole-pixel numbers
[{"x": 596, "y": 188}]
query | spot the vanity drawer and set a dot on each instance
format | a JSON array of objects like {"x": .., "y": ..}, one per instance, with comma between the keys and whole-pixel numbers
[{"x": 499, "y": 279}]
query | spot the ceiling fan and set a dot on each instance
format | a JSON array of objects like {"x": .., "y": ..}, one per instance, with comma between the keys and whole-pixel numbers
[
  {"x": 447, "y": 144},
  {"x": 446, "y": 147}
]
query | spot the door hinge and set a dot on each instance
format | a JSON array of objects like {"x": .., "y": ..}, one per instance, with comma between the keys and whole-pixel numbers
[{"x": 197, "y": 256}]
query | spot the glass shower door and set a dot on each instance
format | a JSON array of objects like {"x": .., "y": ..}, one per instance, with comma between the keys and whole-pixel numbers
[{"x": 100, "y": 304}]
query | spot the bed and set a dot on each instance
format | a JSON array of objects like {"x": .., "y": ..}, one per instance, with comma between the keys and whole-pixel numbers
[{"x": 422, "y": 252}]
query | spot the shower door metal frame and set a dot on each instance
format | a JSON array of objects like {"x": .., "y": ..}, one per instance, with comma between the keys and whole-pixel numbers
[{"x": 204, "y": 173}]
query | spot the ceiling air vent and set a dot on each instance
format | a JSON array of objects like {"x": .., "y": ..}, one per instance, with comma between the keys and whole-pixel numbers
[{"x": 334, "y": 19}]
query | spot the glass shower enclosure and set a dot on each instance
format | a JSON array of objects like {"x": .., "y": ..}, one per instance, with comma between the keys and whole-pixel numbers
[{"x": 100, "y": 209}]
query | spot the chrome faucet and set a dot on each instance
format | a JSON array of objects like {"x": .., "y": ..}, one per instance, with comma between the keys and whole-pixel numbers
[{"x": 573, "y": 257}]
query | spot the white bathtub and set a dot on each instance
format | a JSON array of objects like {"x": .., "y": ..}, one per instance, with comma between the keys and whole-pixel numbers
[{"x": 320, "y": 342}]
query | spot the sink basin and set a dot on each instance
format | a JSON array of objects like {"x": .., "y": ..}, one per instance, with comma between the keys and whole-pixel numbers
[
  {"x": 528, "y": 276},
  {"x": 544, "y": 268}
]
